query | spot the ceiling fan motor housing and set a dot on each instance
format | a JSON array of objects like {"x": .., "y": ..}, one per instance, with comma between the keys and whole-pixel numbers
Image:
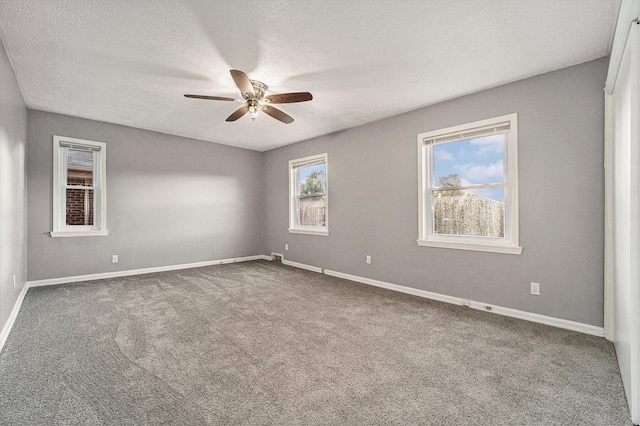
[{"x": 259, "y": 88}]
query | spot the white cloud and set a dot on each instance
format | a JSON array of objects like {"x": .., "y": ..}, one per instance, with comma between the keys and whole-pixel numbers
[
  {"x": 481, "y": 173},
  {"x": 443, "y": 155},
  {"x": 488, "y": 144}
]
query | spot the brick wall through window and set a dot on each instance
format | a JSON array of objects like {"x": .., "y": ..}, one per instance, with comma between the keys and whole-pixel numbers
[{"x": 79, "y": 201}]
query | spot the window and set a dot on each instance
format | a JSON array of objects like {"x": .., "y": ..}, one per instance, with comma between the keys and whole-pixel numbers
[
  {"x": 308, "y": 195},
  {"x": 468, "y": 186},
  {"x": 79, "y": 187}
]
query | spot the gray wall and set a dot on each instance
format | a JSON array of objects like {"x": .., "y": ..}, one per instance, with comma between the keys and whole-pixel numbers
[
  {"x": 13, "y": 207},
  {"x": 170, "y": 200},
  {"x": 373, "y": 176}
]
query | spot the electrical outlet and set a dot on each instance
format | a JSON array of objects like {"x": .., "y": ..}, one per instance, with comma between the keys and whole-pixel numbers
[
  {"x": 114, "y": 258},
  {"x": 535, "y": 288},
  {"x": 286, "y": 246},
  {"x": 368, "y": 259}
]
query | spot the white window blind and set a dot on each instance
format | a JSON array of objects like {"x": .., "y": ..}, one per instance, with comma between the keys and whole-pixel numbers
[{"x": 469, "y": 134}]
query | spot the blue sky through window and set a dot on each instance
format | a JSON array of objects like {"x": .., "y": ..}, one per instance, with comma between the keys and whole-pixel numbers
[
  {"x": 476, "y": 161},
  {"x": 304, "y": 171}
]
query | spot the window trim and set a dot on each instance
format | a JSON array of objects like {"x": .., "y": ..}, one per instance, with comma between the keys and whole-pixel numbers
[
  {"x": 510, "y": 244},
  {"x": 60, "y": 228},
  {"x": 293, "y": 166}
]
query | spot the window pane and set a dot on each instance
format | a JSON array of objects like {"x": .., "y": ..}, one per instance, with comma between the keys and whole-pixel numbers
[
  {"x": 312, "y": 210},
  {"x": 309, "y": 195},
  {"x": 79, "y": 206},
  {"x": 476, "y": 213},
  {"x": 312, "y": 179},
  {"x": 79, "y": 167},
  {"x": 469, "y": 162},
  {"x": 312, "y": 200}
]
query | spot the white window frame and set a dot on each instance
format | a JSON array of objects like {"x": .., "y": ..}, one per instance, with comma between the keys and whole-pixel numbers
[
  {"x": 510, "y": 244},
  {"x": 294, "y": 166},
  {"x": 60, "y": 228}
]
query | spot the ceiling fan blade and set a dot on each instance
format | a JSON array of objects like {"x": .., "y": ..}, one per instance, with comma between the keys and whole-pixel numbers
[
  {"x": 287, "y": 98},
  {"x": 243, "y": 83},
  {"x": 238, "y": 113},
  {"x": 213, "y": 98},
  {"x": 277, "y": 114}
]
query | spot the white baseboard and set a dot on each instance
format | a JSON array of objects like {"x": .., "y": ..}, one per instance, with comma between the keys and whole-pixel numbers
[
  {"x": 528, "y": 316},
  {"x": 295, "y": 264},
  {"x": 395, "y": 287},
  {"x": 12, "y": 316},
  {"x": 302, "y": 266},
  {"x": 116, "y": 274}
]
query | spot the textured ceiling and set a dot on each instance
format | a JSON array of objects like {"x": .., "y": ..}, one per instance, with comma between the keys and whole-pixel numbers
[{"x": 130, "y": 62}]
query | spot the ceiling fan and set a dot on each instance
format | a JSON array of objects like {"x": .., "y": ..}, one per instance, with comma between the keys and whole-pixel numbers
[{"x": 254, "y": 99}]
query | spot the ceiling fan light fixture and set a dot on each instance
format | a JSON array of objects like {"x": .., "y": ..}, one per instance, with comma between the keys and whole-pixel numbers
[
  {"x": 253, "y": 109},
  {"x": 253, "y": 96}
]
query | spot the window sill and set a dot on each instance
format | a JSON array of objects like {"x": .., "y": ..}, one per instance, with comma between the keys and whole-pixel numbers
[
  {"x": 471, "y": 246},
  {"x": 56, "y": 234},
  {"x": 309, "y": 232}
]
